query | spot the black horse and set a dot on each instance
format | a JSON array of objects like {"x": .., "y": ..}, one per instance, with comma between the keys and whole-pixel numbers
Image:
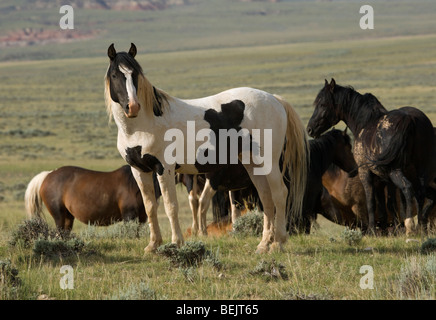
[
  {"x": 332, "y": 147},
  {"x": 393, "y": 147}
]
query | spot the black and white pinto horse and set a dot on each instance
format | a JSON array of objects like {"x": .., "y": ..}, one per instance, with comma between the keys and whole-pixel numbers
[{"x": 153, "y": 125}]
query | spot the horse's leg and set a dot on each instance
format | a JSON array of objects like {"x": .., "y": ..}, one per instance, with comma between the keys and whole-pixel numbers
[
  {"x": 426, "y": 209},
  {"x": 381, "y": 205},
  {"x": 367, "y": 182},
  {"x": 203, "y": 206},
  {"x": 421, "y": 197},
  {"x": 193, "y": 203},
  {"x": 279, "y": 193},
  {"x": 398, "y": 178},
  {"x": 169, "y": 194},
  {"x": 264, "y": 192},
  {"x": 146, "y": 186},
  {"x": 68, "y": 222},
  {"x": 392, "y": 204},
  {"x": 57, "y": 211},
  {"x": 236, "y": 212}
]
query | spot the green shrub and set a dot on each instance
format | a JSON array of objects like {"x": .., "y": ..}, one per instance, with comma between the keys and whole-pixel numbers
[
  {"x": 352, "y": 237},
  {"x": 429, "y": 246},
  {"x": 141, "y": 291},
  {"x": 29, "y": 231},
  {"x": 190, "y": 254},
  {"x": 58, "y": 248},
  {"x": 250, "y": 224},
  {"x": 9, "y": 281},
  {"x": 270, "y": 270},
  {"x": 8, "y": 274}
]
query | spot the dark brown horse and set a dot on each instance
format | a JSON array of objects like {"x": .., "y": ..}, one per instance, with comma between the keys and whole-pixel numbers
[
  {"x": 391, "y": 147},
  {"x": 92, "y": 197},
  {"x": 344, "y": 202},
  {"x": 333, "y": 147},
  {"x": 345, "y": 199}
]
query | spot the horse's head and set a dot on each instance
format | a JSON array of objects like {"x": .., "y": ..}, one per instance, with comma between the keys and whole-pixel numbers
[
  {"x": 122, "y": 77},
  {"x": 325, "y": 114},
  {"x": 343, "y": 155}
]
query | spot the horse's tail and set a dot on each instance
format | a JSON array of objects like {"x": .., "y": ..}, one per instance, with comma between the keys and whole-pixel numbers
[
  {"x": 296, "y": 157},
  {"x": 32, "y": 198}
]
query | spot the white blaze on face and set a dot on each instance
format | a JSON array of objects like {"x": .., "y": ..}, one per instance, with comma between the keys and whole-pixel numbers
[{"x": 131, "y": 92}]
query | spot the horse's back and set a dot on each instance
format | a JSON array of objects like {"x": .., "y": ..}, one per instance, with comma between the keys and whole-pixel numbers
[
  {"x": 259, "y": 105},
  {"x": 421, "y": 138},
  {"x": 401, "y": 139}
]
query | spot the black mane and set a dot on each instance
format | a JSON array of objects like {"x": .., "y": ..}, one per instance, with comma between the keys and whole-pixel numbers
[{"x": 364, "y": 107}]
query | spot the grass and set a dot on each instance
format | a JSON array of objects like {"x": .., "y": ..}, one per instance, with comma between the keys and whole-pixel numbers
[
  {"x": 311, "y": 267},
  {"x": 53, "y": 114}
]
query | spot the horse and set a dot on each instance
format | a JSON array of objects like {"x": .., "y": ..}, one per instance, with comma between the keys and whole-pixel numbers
[
  {"x": 344, "y": 202},
  {"x": 346, "y": 195},
  {"x": 155, "y": 129},
  {"x": 92, "y": 197},
  {"x": 390, "y": 147},
  {"x": 333, "y": 147}
]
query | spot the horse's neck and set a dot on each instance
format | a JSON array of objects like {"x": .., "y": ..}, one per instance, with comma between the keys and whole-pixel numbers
[
  {"x": 359, "y": 112},
  {"x": 128, "y": 126},
  {"x": 175, "y": 115},
  {"x": 321, "y": 155}
]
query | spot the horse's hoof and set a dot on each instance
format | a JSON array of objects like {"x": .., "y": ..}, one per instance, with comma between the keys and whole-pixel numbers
[
  {"x": 276, "y": 247},
  {"x": 179, "y": 242},
  {"x": 151, "y": 248},
  {"x": 261, "y": 249}
]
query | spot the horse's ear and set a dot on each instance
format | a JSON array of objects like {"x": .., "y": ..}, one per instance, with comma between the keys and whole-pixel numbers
[
  {"x": 132, "y": 50},
  {"x": 111, "y": 53},
  {"x": 345, "y": 131},
  {"x": 326, "y": 83},
  {"x": 332, "y": 85}
]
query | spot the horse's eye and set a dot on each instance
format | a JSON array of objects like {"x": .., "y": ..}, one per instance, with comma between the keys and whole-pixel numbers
[{"x": 114, "y": 76}]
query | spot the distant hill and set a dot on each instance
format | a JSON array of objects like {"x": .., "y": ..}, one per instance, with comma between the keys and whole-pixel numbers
[
  {"x": 29, "y": 29},
  {"x": 97, "y": 4},
  {"x": 30, "y": 36}
]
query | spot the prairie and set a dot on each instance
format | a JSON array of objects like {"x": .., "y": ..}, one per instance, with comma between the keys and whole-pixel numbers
[{"x": 53, "y": 114}]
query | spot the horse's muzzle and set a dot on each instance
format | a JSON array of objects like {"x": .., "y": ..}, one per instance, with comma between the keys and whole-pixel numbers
[{"x": 132, "y": 110}]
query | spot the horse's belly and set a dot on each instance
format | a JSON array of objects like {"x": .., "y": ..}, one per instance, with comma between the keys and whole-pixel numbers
[{"x": 96, "y": 211}]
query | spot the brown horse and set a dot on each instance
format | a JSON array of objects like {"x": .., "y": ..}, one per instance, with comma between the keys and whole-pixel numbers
[
  {"x": 93, "y": 197},
  {"x": 347, "y": 196},
  {"x": 344, "y": 202}
]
